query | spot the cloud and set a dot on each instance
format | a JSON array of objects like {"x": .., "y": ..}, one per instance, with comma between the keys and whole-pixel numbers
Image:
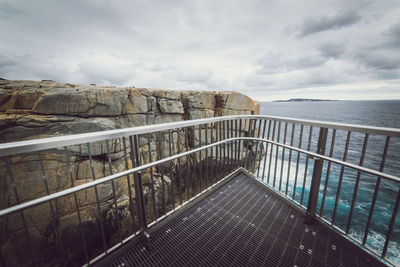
[
  {"x": 282, "y": 62},
  {"x": 379, "y": 61},
  {"x": 315, "y": 25},
  {"x": 393, "y": 35},
  {"x": 106, "y": 69},
  {"x": 7, "y": 10},
  {"x": 229, "y": 45},
  {"x": 332, "y": 49}
]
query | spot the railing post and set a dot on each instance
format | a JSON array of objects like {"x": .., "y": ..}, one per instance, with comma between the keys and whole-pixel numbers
[{"x": 316, "y": 178}]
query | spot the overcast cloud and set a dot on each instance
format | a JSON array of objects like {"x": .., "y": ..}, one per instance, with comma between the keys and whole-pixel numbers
[{"x": 268, "y": 50}]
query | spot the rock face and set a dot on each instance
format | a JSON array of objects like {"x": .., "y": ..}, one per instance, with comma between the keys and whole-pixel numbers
[{"x": 31, "y": 110}]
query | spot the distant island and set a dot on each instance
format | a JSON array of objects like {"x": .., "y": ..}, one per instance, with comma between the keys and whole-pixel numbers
[{"x": 304, "y": 100}]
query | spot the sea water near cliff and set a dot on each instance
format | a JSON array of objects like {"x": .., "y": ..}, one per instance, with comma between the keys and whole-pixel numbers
[{"x": 371, "y": 113}]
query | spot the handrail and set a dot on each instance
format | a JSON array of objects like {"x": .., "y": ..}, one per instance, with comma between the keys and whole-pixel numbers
[
  {"x": 13, "y": 148},
  {"x": 238, "y": 149},
  {"x": 87, "y": 185}
]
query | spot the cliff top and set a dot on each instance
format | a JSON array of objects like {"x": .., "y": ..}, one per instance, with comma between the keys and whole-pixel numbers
[{"x": 48, "y": 108}]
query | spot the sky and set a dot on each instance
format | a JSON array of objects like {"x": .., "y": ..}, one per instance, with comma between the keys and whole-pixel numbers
[{"x": 266, "y": 49}]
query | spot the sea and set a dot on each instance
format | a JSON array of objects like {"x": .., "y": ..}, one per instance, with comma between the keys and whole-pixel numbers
[{"x": 382, "y": 113}]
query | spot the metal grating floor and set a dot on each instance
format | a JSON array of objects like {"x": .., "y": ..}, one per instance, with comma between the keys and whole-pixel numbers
[{"x": 240, "y": 224}]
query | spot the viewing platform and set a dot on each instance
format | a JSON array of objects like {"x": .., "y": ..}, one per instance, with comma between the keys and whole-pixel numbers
[
  {"x": 240, "y": 223},
  {"x": 244, "y": 190}
]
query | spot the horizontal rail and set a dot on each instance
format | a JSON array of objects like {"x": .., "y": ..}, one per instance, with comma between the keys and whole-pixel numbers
[
  {"x": 109, "y": 178},
  {"x": 13, "y": 148},
  {"x": 315, "y": 155}
]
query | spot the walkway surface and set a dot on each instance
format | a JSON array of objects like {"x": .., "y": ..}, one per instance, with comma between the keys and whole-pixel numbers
[{"x": 240, "y": 224}]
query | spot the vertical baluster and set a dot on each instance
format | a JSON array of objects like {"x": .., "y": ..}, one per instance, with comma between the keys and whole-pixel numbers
[
  {"x": 179, "y": 172},
  {"x": 239, "y": 163},
  {"x": 82, "y": 235},
  {"x": 139, "y": 186},
  {"x": 171, "y": 167},
  {"x": 200, "y": 161},
  {"x": 270, "y": 153},
  {"x": 236, "y": 145},
  {"x": 328, "y": 172},
  {"x": 253, "y": 134},
  {"x": 160, "y": 142},
  {"x": 206, "y": 156},
  {"x": 188, "y": 178},
  {"x": 277, "y": 151},
  {"x": 103, "y": 237},
  {"x": 195, "y": 165},
  {"x": 306, "y": 166},
  {"x": 228, "y": 152},
  {"x": 298, "y": 161},
  {"x": 341, "y": 178},
  {"x": 257, "y": 144},
  {"x": 391, "y": 225},
  {"x": 232, "y": 146},
  {"x": 153, "y": 194},
  {"x": 248, "y": 146},
  {"x": 53, "y": 215},
  {"x": 283, "y": 156},
  {"x": 131, "y": 209},
  {"x": 378, "y": 181},
  {"x": 266, "y": 150},
  {"x": 224, "y": 146},
  {"x": 290, "y": 158},
  {"x": 357, "y": 183},
  {"x": 10, "y": 174},
  {"x": 262, "y": 143},
  {"x": 114, "y": 192},
  {"x": 244, "y": 142},
  {"x": 212, "y": 162},
  {"x": 220, "y": 149}
]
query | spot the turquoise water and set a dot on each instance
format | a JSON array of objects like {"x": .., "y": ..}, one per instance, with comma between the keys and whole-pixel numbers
[{"x": 372, "y": 113}]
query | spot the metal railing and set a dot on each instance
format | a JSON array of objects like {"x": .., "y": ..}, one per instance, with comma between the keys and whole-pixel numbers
[{"x": 111, "y": 186}]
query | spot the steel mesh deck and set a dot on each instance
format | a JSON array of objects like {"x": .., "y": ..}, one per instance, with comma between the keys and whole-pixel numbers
[{"x": 240, "y": 224}]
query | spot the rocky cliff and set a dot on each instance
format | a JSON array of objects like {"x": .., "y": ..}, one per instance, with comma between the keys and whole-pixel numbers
[{"x": 31, "y": 110}]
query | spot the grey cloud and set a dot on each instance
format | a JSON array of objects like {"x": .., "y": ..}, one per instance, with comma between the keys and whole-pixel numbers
[
  {"x": 33, "y": 67},
  {"x": 277, "y": 62},
  {"x": 332, "y": 50},
  {"x": 5, "y": 62},
  {"x": 324, "y": 23},
  {"x": 8, "y": 10},
  {"x": 200, "y": 44},
  {"x": 378, "y": 61},
  {"x": 393, "y": 35}
]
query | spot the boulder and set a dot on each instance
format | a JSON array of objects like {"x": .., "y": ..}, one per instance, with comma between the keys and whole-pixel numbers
[
  {"x": 171, "y": 106},
  {"x": 136, "y": 103},
  {"x": 233, "y": 100},
  {"x": 202, "y": 100}
]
